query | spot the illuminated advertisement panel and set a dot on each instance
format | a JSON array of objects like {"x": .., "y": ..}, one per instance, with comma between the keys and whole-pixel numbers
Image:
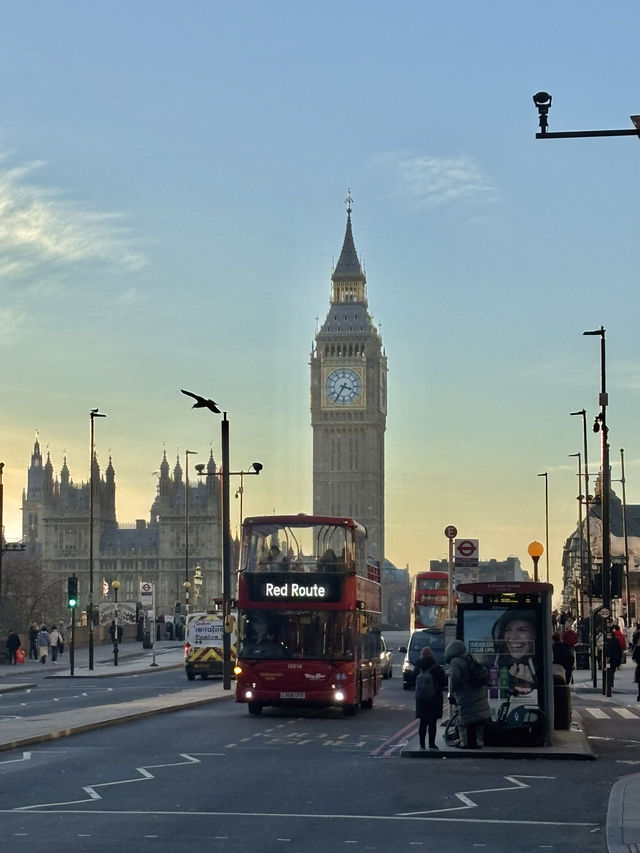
[{"x": 506, "y": 640}]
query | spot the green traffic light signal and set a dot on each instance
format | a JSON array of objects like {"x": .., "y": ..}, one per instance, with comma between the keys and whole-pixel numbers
[{"x": 72, "y": 591}]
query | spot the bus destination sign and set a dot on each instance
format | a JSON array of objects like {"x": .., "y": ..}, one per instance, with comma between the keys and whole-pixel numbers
[{"x": 296, "y": 589}]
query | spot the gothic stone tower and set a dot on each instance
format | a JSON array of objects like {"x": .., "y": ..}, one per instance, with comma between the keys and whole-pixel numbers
[{"x": 349, "y": 403}]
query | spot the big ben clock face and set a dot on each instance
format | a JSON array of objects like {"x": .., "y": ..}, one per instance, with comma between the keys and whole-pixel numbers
[{"x": 344, "y": 386}]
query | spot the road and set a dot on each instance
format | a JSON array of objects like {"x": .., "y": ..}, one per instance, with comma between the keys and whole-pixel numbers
[{"x": 302, "y": 781}]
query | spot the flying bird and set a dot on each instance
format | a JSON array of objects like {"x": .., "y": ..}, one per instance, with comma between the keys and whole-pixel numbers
[{"x": 201, "y": 403}]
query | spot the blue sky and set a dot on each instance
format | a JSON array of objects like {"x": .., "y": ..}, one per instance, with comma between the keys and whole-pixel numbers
[{"x": 172, "y": 178}]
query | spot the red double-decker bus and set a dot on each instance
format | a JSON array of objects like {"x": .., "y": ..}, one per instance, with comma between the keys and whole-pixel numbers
[
  {"x": 430, "y": 600},
  {"x": 309, "y": 614}
]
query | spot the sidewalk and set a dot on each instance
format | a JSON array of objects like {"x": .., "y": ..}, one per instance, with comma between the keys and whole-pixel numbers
[{"x": 133, "y": 659}]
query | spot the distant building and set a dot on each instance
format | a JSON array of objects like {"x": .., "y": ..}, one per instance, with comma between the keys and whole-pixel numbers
[
  {"x": 489, "y": 570},
  {"x": 56, "y": 517},
  {"x": 396, "y": 598},
  {"x": 578, "y": 588}
]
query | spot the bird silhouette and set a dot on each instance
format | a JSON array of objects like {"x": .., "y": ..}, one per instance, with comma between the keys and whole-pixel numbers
[{"x": 201, "y": 403}]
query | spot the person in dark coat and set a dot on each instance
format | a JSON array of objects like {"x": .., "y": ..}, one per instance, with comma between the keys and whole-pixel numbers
[
  {"x": 429, "y": 711},
  {"x": 635, "y": 657},
  {"x": 472, "y": 700},
  {"x": 13, "y": 644},
  {"x": 563, "y": 654}
]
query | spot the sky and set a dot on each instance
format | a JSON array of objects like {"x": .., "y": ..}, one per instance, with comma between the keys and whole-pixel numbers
[{"x": 172, "y": 185}]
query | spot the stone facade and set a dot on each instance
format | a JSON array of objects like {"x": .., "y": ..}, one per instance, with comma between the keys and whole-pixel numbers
[
  {"x": 349, "y": 404},
  {"x": 56, "y": 517}
]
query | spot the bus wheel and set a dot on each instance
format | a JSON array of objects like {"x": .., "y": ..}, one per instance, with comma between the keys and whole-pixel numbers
[
  {"x": 349, "y": 710},
  {"x": 255, "y": 708},
  {"x": 191, "y": 675}
]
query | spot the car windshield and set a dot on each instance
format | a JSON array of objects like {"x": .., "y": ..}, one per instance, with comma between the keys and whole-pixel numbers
[{"x": 420, "y": 639}]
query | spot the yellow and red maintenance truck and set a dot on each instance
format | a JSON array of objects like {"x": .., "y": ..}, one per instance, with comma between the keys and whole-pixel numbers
[{"x": 203, "y": 649}]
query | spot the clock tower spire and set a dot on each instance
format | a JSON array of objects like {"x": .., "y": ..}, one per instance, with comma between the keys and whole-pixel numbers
[{"x": 349, "y": 402}]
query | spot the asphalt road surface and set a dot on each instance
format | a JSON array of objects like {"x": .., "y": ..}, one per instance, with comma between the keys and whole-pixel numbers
[{"x": 308, "y": 781}]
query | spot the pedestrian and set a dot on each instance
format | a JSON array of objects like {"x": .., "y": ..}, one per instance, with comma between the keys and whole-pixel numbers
[
  {"x": 13, "y": 644},
  {"x": 43, "y": 643},
  {"x": 563, "y": 655},
  {"x": 635, "y": 637},
  {"x": 54, "y": 636},
  {"x": 430, "y": 681},
  {"x": 62, "y": 637},
  {"x": 635, "y": 657},
  {"x": 617, "y": 633},
  {"x": 471, "y": 699},
  {"x": 33, "y": 642}
]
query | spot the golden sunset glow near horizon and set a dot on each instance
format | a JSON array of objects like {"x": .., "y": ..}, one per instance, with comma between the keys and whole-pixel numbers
[{"x": 172, "y": 185}]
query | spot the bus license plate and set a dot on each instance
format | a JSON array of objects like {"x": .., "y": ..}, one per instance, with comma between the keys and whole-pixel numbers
[{"x": 293, "y": 695}]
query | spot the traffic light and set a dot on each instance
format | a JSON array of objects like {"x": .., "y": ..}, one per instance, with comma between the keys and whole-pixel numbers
[{"x": 72, "y": 591}]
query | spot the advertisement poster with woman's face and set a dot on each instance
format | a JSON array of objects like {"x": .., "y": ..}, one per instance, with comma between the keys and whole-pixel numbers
[{"x": 504, "y": 639}]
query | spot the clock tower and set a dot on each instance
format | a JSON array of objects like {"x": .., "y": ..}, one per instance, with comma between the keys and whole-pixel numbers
[{"x": 349, "y": 403}]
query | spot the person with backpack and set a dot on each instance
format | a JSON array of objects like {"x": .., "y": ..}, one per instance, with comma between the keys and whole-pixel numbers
[
  {"x": 469, "y": 692},
  {"x": 430, "y": 681}
]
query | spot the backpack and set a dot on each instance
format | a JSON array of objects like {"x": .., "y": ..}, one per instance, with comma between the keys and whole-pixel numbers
[
  {"x": 478, "y": 676},
  {"x": 425, "y": 686}
]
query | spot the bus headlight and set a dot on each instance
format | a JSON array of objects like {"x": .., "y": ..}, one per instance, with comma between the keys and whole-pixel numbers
[
  {"x": 248, "y": 694},
  {"x": 338, "y": 696}
]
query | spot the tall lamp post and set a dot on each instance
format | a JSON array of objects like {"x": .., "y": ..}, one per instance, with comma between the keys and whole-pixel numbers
[
  {"x": 204, "y": 403},
  {"x": 626, "y": 540},
  {"x": 257, "y": 467},
  {"x": 600, "y": 425},
  {"x": 587, "y": 499},
  {"x": 1, "y": 532},
  {"x": 579, "y": 608},
  {"x": 187, "y": 454},
  {"x": 94, "y": 413},
  {"x": 535, "y": 550},
  {"x": 546, "y": 518},
  {"x": 116, "y": 639}
]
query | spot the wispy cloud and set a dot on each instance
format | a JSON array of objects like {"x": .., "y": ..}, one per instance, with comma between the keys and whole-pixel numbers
[
  {"x": 428, "y": 181},
  {"x": 39, "y": 226},
  {"x": 10, "y": 324}
]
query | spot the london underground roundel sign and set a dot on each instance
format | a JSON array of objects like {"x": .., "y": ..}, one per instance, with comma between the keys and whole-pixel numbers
[{"x": 466, "y": 548}]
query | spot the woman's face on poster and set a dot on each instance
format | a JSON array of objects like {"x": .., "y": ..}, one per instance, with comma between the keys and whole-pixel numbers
[{"x": 519, "y": 636}]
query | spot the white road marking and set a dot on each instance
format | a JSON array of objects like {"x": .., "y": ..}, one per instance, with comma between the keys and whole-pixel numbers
[
  {"x": 26, "y": 756},
  {"x": 626, "y": 713},
  {"x": 303, "y": 816},
  {"x": 144, "y": 772},
  {"x": 598, "y": 713},
  {"x": 468, "y": 803}
]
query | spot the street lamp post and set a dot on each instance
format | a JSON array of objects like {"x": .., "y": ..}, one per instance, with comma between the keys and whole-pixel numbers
[
  {"x": 626, "y": 539},
  {"x": 211, "y": 405},
  {"x": 587, "y": 499},
  {"x": 1, "y": 531},
  {"x": 94, "y": 413},
  {"x": 535, "y": 550},
  {"x": 187, "y": 454},
  {"x": 546, "y": 518},
  {"x": 116, "y": 639},
  {"x": 600, "y": 425},
  {"x": 579, "y": 607},
  {"x": 197, "y": 582}
]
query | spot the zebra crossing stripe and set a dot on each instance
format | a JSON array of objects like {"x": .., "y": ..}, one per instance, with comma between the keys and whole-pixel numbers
[
  {"x": 598, "y": 713},
  {"x": 626, "y": 713}
]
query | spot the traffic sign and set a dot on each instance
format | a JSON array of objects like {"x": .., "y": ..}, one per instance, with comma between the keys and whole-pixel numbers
[
  {"x": 466, "y": 547},
  {"x": 451, "y": 532},
  {"x": 604, "y": 612}
]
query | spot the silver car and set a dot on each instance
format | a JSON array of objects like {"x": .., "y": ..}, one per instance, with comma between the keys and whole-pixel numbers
[{"x": 386, "y": 660}]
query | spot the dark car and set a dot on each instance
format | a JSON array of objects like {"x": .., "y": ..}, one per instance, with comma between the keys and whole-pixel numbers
[
  {"x": 386, "y": 660},
  {"x": 417, "y": 641}
]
